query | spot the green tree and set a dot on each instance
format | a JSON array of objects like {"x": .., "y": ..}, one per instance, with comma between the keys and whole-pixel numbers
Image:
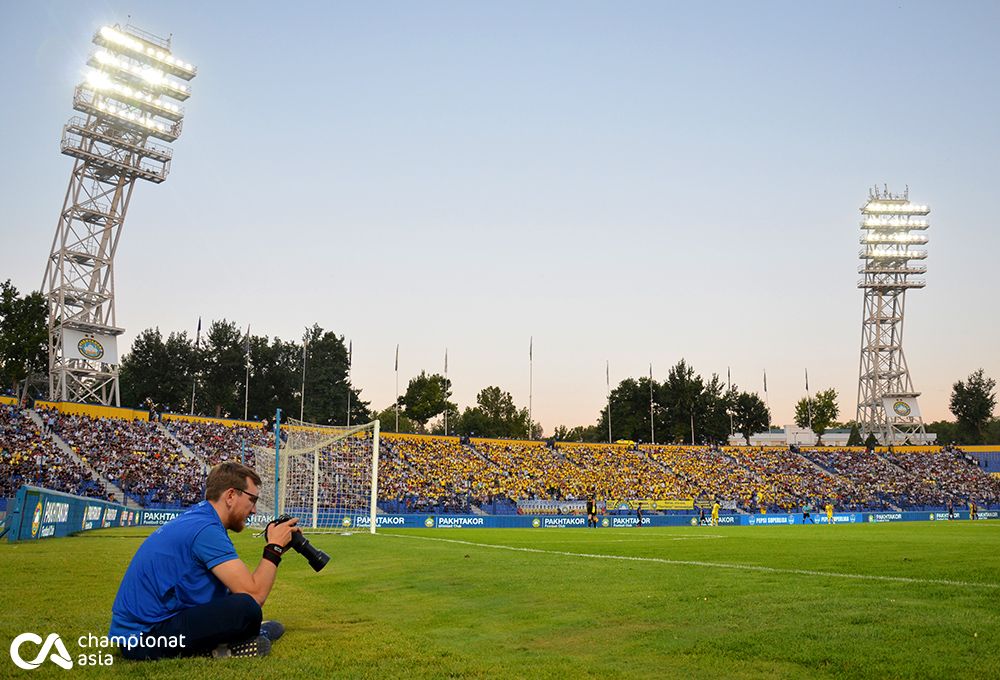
[
  {"x": 972, "y": 403},
  {"x": 223, "y": 369},
  {"x": 682, "y": 401},
  {"x": 159, "y": 370},
  {"x": 437, "y": 425},
  {"x": 495, "y": 415},
  {"x": 823, "y": 408},
  {"x": 854, "y": 439},
  {"x": 993, "y": 432},
  {"x": 580, "y": 433},
  {"x": 712, "y": 415},
  {"x": 275, "y": 381},
  {"x": 750, "y": 414},
  {"x": 327, "y": 381},
  {"x": 426, "y": 396},
  {"x": 946, "y": 431},
  {"x": 387, "y": 421},
  {"x": 630, "y": 412},
  {"x": 24, "y": 341}
]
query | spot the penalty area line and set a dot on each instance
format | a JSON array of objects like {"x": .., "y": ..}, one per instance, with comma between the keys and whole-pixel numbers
[{"x": 712, "y": 565}]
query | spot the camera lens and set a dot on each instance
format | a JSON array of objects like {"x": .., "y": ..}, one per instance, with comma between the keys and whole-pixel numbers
[{"x": 317, "y": 558}]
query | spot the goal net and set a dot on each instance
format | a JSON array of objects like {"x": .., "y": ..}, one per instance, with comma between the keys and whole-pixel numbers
[{"x": 326, "y": 476}]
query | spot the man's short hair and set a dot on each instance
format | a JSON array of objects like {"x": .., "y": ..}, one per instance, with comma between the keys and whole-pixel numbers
[{"x": 228, "y": 475}]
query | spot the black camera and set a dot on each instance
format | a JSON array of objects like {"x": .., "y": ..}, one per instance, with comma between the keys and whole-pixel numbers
[{"x": 317, "y": 558}]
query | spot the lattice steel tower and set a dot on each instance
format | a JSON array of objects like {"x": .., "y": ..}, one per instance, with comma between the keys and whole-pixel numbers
[
  {"x": 892, "y": 250},
  {"x": 128, "y": 97}
]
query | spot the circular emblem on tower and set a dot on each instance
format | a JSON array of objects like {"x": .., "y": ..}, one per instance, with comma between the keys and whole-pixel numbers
[
  {"x": 901, "y": 409},
  {"x": 90, "y": 348}
]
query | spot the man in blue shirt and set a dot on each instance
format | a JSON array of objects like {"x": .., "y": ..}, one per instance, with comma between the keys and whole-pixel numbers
[{"x": 186, "y": 592}]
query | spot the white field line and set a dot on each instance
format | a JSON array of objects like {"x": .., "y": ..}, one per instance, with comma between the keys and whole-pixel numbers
[
  {"x": 641, "y": 537},
  {"x": 712, "y": 565}
]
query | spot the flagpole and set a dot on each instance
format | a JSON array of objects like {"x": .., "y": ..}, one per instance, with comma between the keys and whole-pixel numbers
[
  {"x": 809, "y": 401},
  {"x": 531, "y": 375},
  {"x": 652, "y": 431},
  {"x": 246, "y": 393},
  {"x": 350, "y": 360},
  {"x": 729, "y": 388},
  {"x": 397, "y": 388},
  {"x": 446, "y": 387},
  {"x": 194, "y": 373},
  {"x": 302, "y": 398},
  {"x": 767, "y": 401},
  {"x": 607, "y": 378}
]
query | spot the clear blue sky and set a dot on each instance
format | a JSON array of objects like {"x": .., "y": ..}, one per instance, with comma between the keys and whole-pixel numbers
[{"x": 634, "y": 182}]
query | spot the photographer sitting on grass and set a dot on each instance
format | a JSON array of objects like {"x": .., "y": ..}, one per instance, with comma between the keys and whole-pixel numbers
[{"x": 187, "y": 580}]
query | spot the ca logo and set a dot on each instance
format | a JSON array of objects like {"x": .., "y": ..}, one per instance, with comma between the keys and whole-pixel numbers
[{"x": 60, "y": 657}]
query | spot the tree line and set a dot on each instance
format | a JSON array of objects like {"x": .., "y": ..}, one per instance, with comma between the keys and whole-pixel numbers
[
  {"x": 686, "y": 407},
  {"x": 229, "y": 371}
]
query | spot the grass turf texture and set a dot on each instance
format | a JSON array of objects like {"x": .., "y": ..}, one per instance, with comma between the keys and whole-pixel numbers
[{"x": 398, "y": 605}]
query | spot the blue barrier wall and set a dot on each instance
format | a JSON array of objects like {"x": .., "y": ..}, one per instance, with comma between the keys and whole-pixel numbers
[{"x": 39, "y": 513}]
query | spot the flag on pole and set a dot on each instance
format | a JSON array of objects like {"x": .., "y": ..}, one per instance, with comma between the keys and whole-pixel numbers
[
  {"x": 650, "y": 375},
  {"x": 350, "y": 353},
  {"x": 729, "y": 378},
  {"x": 607, "y": 374},
  {"x": 397, "y": 357},
  {"x": 765, "y": 381},
  {"x": 446, "y": 361},
  {"x": 247, "y": 345},
  {"x": 807, "y": 380},
  {"x": 531, "y": 347},
  {"x": 197, "y": 337}
]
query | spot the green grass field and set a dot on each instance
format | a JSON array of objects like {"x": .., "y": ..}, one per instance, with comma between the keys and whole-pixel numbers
[{"x": 880, "y": 601}]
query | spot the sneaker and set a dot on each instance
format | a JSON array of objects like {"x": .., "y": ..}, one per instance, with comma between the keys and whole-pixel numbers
[
  {"x": 258, "y": 646},
  {"x": 272, "y": 630}
]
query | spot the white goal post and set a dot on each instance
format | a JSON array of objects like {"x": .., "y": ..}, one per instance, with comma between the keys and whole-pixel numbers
[{"x": 326, "y": 476}]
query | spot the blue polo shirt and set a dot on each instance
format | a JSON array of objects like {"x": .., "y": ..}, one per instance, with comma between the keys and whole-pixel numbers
[{"x": 171, "y": 571}]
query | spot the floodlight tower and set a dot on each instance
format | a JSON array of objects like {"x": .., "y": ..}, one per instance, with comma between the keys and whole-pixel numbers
[
  {"x": 128, "y": 97},
  {"x": 892, "y": 250}
]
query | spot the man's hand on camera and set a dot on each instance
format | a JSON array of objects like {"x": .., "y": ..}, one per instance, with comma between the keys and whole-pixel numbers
[{"x": 281, "y": 534}]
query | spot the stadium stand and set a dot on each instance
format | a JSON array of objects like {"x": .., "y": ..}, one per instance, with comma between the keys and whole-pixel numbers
[
  {"x": 159, "y": 467},
  {"x": 137, "y": 457},
  {"x": 29, "y": 456}
]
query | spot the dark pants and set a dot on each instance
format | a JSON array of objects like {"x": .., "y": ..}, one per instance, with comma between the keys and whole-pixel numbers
[{"x": 233, "y": 618}]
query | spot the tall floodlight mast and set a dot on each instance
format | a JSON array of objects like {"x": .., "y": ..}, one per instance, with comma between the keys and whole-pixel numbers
[
  {"x": 129, "y": 96},
  {"x": 892, "y": 251}
]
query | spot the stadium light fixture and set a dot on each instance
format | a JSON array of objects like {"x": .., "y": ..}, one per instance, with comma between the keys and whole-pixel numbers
[
  {"x": 130, "y": 94},
  {"x": 887, "y": 402}
]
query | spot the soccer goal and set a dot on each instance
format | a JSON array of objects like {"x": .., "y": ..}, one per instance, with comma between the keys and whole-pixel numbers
[{"x": 326, "y": 476}]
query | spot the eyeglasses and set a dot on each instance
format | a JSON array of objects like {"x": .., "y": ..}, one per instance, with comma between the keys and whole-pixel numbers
[{"x": 252, "y": 497}]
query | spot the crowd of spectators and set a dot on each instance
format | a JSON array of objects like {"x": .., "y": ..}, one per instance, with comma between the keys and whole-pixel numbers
[
  {"x": 217, "y": 442},
  {"x": 619, "y": 472},
  {"x": 440, "y": 475},
  {"x": 430, "y": 474},
  {"x": 29, "y": 456},
  {"x": 878, "y": 483},
  {"x": 786, "y": 481},
  {"x": 136, "y": 456},
  {"x": 948, "y": 475}
]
